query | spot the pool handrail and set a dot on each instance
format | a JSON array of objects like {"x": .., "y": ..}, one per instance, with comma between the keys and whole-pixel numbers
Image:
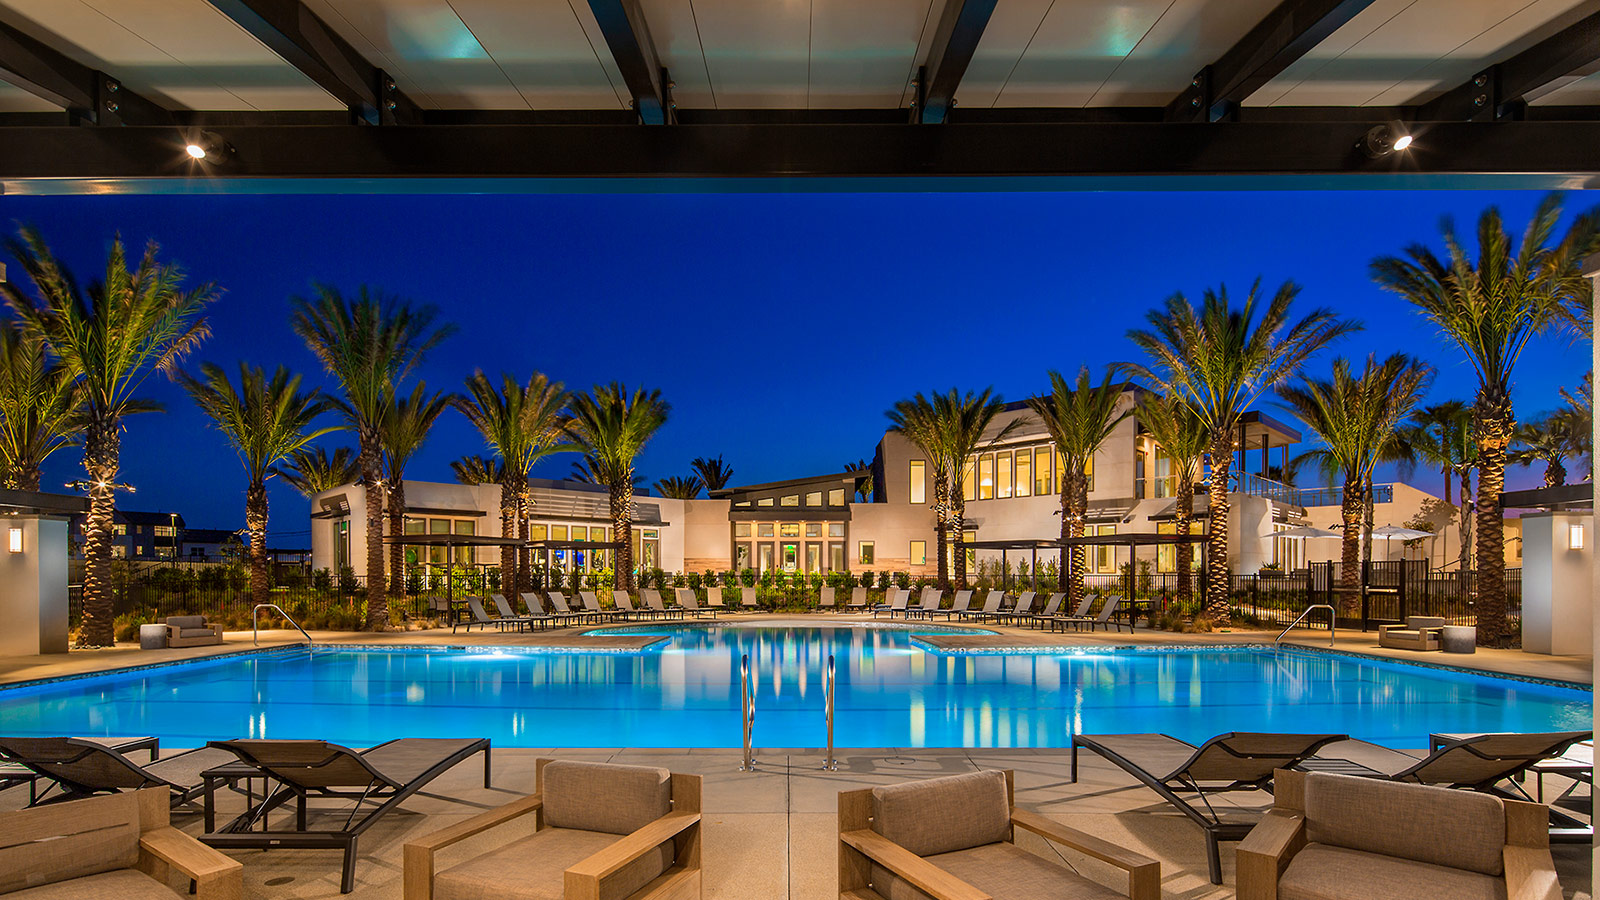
[
  {"x": 255, "y": 623},
  {"x": 829, "y": 763},
  {"x": 1332, "y": 617},
  {"x": 747, "y": 711}
]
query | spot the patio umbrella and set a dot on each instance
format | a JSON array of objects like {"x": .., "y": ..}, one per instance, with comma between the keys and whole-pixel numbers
[
  {"x": 1390, "y": 532},
  {"x": 1306, "y": 531}
]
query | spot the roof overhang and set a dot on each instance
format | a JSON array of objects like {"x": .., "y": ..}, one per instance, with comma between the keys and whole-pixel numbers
[{"x": 36, "y": 503}]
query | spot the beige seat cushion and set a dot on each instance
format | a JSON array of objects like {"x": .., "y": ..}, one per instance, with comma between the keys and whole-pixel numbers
[
  {"x": 124, "y": 884},
  {"x": 1002, "y": 871},
  {"x": 63, "y": 841},
  {"x": 605, "y": 797},
  {"x": 1320, "y": 872},
  {"x": 944, "y": 814},
  {"x": 1407, "y": 821},
  {"x": 183, "y": 622},
  {"x": 532, "y": 868}
]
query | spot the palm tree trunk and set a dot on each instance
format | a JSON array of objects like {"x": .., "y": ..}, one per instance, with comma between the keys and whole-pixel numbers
[
  {"x": 941, "y": 514},
  {"x": 1218, "y": 587},
  {"x": 1074, "y": 500},
  {"x": 101, "y": 445},
  {"x": 25, "y": 477},
  {"x": 524, "y": 553},
  {"x": 1494, "y": 424},
  {"x": 1555, "y": 472},
  {"x": 508, "y": 526},
  {"x": 255, "y": 521},
  {"x": 1185, "y": 552},
  {"x": 372, "y": 476},
  {"x": 1366, "y": 522},
  {"x": 1350, "y": 507},
  {"x": 397, "y": 527},
  {"x": 622, "y": 527},
  {"x": 958, "y": 530},
  {"x": 1466, "y": 521}
]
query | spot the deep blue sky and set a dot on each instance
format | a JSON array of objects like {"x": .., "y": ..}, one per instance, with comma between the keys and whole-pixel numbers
[{"x": 779, "y": 327}]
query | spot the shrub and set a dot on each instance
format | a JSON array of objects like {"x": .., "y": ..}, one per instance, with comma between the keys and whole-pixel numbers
[{"x": 347, "y": 581}]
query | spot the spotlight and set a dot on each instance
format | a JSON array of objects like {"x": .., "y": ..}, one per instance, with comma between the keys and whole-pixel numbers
[
  {"x": 1382, "y": 140},
  {"x": 196, "y": 151},
  {"x": 208, "y": 146}
]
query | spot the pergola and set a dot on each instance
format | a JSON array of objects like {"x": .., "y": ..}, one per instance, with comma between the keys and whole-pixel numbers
[{"x": 1130, "y": 540}]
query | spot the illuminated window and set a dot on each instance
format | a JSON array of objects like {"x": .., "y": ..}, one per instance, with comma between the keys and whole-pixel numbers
[
  {"x": 789, "y": 529},
  {"x": 764, "y": 501},
  {"x": 539, "y": 532},
  {"x": 1088, "y": 472},
  {"x": 1024, "y": 473},
  {"x": 1041, "y": 472},
  {"x": 166, "y": 531},
  {"x": 813, "y": 529},
  {"x": 766, "y": 529},
  {"x": 558, "y": 532},
  {"x": 986, "y": 477},
  {"x": 814, "y": 498},
  {"x": 791, "y": 500},
  {"x": 836, "y": 557},
  {"x": 919, "y": 481},
  {"x": 919, "y": 553},
  {"x": 969, "y": 480},
  {"x": 742, "y": 503},
  {"x": 864, "y": 553},
  {"x": 1061, "y": 469},
  {"x": 741, "y": 529},
  {"x": 1105, "y": 558},
  {"x": 835, "y": 529},
  {"x": 836, "y": 497},
  {"x": 1002, "y": 475}
]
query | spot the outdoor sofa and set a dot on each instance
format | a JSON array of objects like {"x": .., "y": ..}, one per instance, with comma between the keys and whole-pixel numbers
[
  {"x": 192, "y": 631},
  {"x": 1419, "y": 633}
]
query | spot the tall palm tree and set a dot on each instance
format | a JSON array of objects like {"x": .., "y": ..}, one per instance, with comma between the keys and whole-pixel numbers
[
  {"x": 679, "y": 487},
  {"x": 312, "y": 471},
  {"x": 921, "y": 422},
  {"x": 111, "y": 338},
  {"x": 1220, "y": 359},
  {"x": 1356, "y": 417},
  {"x": 1182, "y": 436},
  {"x": 965, "y": 420},
  {"x": 612, "y": 426},
  {"x": 1079, "y": 418},
  {"x": 521, "y": 423},
  {"x": 1441, "y": 436},
  {"x": 479, "y": 470},
  {"x": 38, "y": 407},
  {"x": 265, "y": 420},
  {"x": 369, "y": 344},
  {"x": 864, "y": 490},
  {"x": 404, "y": 426},
  {"x": 1551, "y": 440},
  {"x": 1490, "y": 307},
  {"x": 713, "y": 473},
  {"x": 583, "y": 472}
]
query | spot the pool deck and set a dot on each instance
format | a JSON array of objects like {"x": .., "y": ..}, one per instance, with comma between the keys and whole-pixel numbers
[{"x": 1575, "y": 669}]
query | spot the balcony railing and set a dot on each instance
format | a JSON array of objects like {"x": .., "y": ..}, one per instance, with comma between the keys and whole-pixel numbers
[
  {"x": 1333, "y": 495},
  {"x": 1258, "y": 486}
]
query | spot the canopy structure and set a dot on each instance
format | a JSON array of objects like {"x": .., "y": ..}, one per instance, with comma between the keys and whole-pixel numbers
[
  {"x": 1130, "y": 540},
  {"x": 449, "y": 542}
]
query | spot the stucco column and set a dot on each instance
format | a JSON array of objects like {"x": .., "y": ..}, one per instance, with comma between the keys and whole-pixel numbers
[{"x": 1591, "y": 268}]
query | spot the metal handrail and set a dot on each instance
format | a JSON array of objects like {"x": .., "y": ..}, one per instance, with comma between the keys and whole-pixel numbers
[
  {"x": 255, "y": 622},
  {"x": 747, "y": 711},
  {"x": 829, "y": 763},
  {"x": 1332, "y": 616}
]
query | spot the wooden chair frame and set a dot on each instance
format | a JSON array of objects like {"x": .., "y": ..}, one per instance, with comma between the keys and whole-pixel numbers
[
  {"x": 860, "y": 846},
  {"x": 583, "y": 880}
]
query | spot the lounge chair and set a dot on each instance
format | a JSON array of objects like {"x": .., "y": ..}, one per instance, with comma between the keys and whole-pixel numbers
[
  {"x": 959, "y": 605},
  {"x": 1237, "y": 761},
  {"x": 568, "y": 615},
  {"x": 1335, "y": 837},
  {"x": 385, "y": 775},
  {"x": 690, "y": 603},
  {"x": 600, "y": 830},
  {"x": 991, "y": 607},
  {"x": 825, "y": 599},
  {"x": 1419, "y": 633},
  {"x": 480, "y": 618},
  {"x": 897, "y": 600},
  {"x": 192, "y": 631},
  {"x": 953, "y": 838},
  {"x": 15, "y": 774},
  {"x": 747, "y": 600},
  {"x": 591, "y": 603},
  {"x": 1082, "y": 612},
  {"x": 119, "y": 846},
  {"x": 623, "y": 600},
  {"x": 1019, "y": 610},
  {"x": 511, "y": 619},
  {"x": 858, "y": 599},
  {"x": 85, "y": 766},
  {"x": 714, "y": 598},
  {"x": 1107, "y": 618},
  {"x": 1051, "y": 607},
  {"x": 652, "y": 600}
]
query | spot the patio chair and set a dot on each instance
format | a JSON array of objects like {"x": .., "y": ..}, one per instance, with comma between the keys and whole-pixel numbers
[
  {"x": 119, "y": 846},
  {"x": 897, "y": 600},
  {"x": 1082, "y": 612},
  {"x": 991, "y": 607},
  {"x": 15, "y": 774},
  {"x": 480, "y": 618},
  {"x": 1334, "y": 837},
  {"x": 1419, "y": 633},
  {"x": 510, "y": 618},
  {"x": 1236, "y": 761},
  {"x": 192, "y": 631},
  {"x": 825, "y": 599},
  {"x": 652, "y": 600},
  {"x": 84, "y": 766},
  {"x": 953, "y": 838},
  {"x": 747, "y": 600},
  {"x": 690, "y": 603},
  {"x": 1107, "y": 617},
  {"x": 959, "y": 605},
  {"x": 1022, "y": 607},
  {"x": 563, "y": 612},
  {"x": 600, "y": 830},
  {"x": 591, "y": 603},
  {"x": 623, "y": 600},
  {"x": 858, "y": 599},
  {"x": 1051, "y": 607},
  {"x": 714, "y": 598},
  {"x": 384, "y": 776},
  {"x": 931, "y": 598}
]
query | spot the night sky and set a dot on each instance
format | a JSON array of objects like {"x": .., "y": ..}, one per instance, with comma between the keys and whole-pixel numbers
[{"x": 779, "y": 327}]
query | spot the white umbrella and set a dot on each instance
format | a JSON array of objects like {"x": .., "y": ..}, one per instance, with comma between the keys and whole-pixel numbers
[
  {"x": 1305, "y": 531},
  {"x": 1395, "y": 531}
]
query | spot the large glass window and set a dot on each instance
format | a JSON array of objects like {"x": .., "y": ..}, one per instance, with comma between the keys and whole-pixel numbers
[
  {"x": 1002, "y": 475},
  {"x": 791, "y": 500},
  {"x": 969, "y": 480},
  {"x": 986, "y": 477},
  {"x": 1088, "y": 472},
  {"x": 967, "y": 537},
  {"x": 836, "y": 529},
  {"x": 813, "y": 529},
  {"x": 813, "y": 558},
  {"x": 558, "y": 532},
  {"x": 836, "y": 558},
  {"x": 789, "y": 529},
  {"x": 836, "y": 497},
  {"x": 741, "y": 529},
  {"x": 1061, "y": 468},
  {"x": 864, "y": 553},
  {"x": 791, "y": 557},
  {"x": 919, "y": 481},
  {"x": 1166, "y": 476},
  {"x": 1024, "y": 470},
  {"x": 766, "y": 557},
  {"x": 764, "y": 501},
  {"x": 741, "y": 556},
  {"x": 814, "y": 498},
  {"x": 765, "y": 529},
  {"x": 539, "y": 532},
  {"x": 919, "y": 553},
  {"x": 1105, "y": 558},
  {"x": 1041, "y": 472}
]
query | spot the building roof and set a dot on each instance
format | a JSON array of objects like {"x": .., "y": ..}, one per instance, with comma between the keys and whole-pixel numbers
[
  {"x": 134, "y": 517},
  {"x": 835, "y": 479}
]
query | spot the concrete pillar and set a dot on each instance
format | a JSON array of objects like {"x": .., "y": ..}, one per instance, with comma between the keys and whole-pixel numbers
[
  {"x": 1591, "y": 268},
  {"x": 1557, "y": 582},
  {"x": 33, "y": 586}
]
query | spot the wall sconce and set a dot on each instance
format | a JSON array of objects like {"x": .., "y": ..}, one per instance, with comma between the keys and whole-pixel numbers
[
  {"x": 15, "y": 542},
  {"x": 1575, "y": 536}
]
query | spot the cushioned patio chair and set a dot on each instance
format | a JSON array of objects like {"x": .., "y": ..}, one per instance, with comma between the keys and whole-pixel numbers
[
  {"x": 601, "y": 831},
  {"x": 1419, "y": 633},
  {"x": 1237, "y": 761},
  {"x": 1334, "y": 837},
  {"x": 119, "y": 847},
  {"x": 192, "y": 631},
  {"x": 85, "y": 766},
  {"x": 954, "y": 838},
  {"x": 383, "y": 776},
  {"x": 689, "y": 602}
]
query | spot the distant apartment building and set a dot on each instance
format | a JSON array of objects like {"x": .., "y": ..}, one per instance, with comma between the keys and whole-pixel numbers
[
  {"x": 136, "y": 535},
  {"x": 828, "y": 522}
]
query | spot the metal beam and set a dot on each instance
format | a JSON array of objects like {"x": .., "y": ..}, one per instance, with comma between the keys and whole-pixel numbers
[
  {"x": 304, "y": 41},
  {"x": 628, "y": 35},
  {"x": 90, "y": 97},
  {"x": 1502, "y": 90},
  {"x": 1550, "y": 153},
  {"x": 961, "y": 25},
  {"x": 1286, "y": 34}
]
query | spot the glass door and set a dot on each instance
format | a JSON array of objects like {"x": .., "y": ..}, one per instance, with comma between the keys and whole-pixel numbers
[
  {"x": 813, "y": 558},
  {"x": 791, "y": 557}
]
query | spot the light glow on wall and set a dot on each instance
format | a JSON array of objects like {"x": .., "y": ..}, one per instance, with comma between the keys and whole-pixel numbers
[
  {"x": 15, "y": 542},
  {"x": 1575, "y": 536}
]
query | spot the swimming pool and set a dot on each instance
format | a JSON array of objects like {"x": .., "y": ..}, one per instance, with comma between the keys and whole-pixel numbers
[{"x": 893, "y": 691}]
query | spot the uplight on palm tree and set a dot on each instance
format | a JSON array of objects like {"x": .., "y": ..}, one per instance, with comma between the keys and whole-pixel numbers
[
  {"x": 38, "y": 407},
  {"x": 404, "y": 426},
  {"x": 612, "y": 426}
]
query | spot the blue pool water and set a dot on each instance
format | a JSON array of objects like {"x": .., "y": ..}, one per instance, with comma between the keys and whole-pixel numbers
[{"x": 893, "y": 691}]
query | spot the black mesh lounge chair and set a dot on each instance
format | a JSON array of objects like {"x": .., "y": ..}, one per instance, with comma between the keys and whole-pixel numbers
[
  {"x": 1237, "y": 761},
  {"x": 383, "y": 776},
  {"x": 747, "y": 600},
  {"x": 84, "y": 766},
  {"x": 1020, "y": 609},
  {"x": 897, "y": 599},
  {"x": 591, "y": 602},
  {"x": 825, "y": 599},
  {"x": 858, "y": 599},
  {"x": 566, "y": 613}
]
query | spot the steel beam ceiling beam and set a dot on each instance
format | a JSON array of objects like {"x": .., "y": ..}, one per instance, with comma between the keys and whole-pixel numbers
[
  {"x": 1502, "y": 90},
  {"x": 628, "y": 35},
  {"x": 960, "y": 28},
  {"x": 90, "y": 97}
]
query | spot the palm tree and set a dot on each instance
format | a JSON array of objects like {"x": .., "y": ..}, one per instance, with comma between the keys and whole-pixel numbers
[
  {"x": 369, "y": 344},
  {"x": 265, "y": 421},
  {"x": 1079, "y": 418},
  {"x": 612, "y": 426},
  {"x": 1441, "y": 436},
  {"x": 1219, "y": 360},
  {"x": 713, "y": 473},
  {"x": 964, "y": 419},
  {"x": 313, "y": 471},
  {"x": 1551, "y": 440},
  {"x": 920, "y": 422},
  {"x": 1490, "y": 307},
  {"x": 583, "y": 472},
  {"x": 1182, "y": 436},
  {"x": 404, "y": 426},
  {"x": 1356, "y": 416},
  {"x": 111, "y": 338},
  {"x": 479, "y": 470},
  {"x": 679, "y": 488},
  {"x": 864, "y": 489},
  {"x": 38, "y": 407}
]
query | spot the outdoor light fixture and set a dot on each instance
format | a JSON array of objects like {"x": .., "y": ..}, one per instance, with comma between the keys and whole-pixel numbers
[
  {"x": 15, "y": 542},
  {"x": 1574, "y": 536},
  {"x": 1382, "y": 140},
  {"x": 208, "y": 146}
]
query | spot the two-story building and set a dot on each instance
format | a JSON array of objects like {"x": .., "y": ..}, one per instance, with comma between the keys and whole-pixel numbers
[{"x": 137, "y": 535}]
